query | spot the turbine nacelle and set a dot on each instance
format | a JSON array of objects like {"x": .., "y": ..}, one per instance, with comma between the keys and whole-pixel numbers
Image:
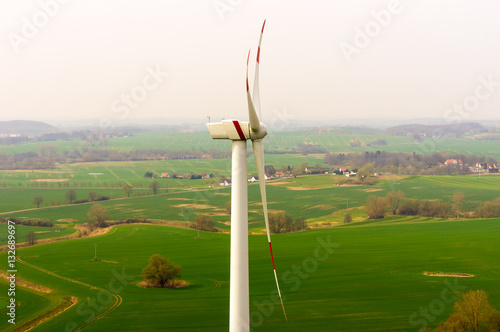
[{"x": 235, "y": 130}]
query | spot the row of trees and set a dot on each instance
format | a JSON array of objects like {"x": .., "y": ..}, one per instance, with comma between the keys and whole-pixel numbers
[
  {"x": 281, "y": 223},
  {"x": 47, "y": 158},
  {"x": 27, "y": 222},
  {"x": 204, "y": 223},
  {"x": 405, "y": 163},
  {"x": 93, "y": 196},
  {"x": 378, "y": 207},
  {"x": 394, "y": 202},
  {"x": 68, "y": 184}
]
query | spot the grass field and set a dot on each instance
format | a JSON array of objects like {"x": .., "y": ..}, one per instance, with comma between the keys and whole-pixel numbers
[
  {"x": 337, "y": 140},
  {"x": 371, "y": 278},
  {"x": 316, "y": 198}
]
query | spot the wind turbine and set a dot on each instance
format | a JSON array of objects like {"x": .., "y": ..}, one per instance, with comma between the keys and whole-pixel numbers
[{"x": 239, "y": 132}]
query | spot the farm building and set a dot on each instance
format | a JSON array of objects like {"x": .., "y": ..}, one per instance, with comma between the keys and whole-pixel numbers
[
  {"x": 253, "y": 179},
  {"x": 454, "y": 162}
]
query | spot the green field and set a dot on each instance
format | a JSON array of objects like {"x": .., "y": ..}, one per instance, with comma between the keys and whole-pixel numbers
[
  {"x": 316, "y": 198},
  {"x": 336, "y": 140},
  {"x": 370, "y": 278}
]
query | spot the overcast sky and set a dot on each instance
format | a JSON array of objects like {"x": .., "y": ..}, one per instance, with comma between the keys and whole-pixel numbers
[{"x": 119, "y": 60}]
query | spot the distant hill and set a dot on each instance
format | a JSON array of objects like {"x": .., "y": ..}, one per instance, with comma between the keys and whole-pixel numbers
[
  {"x": 456, "y": 129},
  {"x": 25, "y": 128}
]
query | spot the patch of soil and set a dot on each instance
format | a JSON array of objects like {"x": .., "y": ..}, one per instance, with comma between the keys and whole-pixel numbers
[
  {"x": 321, "y": 207},
  {"x": 196, "y": 206},
  {"x": 443, "y": 274},
  {"x": 50, "y": 180},
  {"x": 27, "y": 284},
  {"x": 277, "y": 183}
]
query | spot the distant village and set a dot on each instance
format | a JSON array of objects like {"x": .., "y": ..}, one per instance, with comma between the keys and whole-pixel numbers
[{"x": 478, "y": 168}]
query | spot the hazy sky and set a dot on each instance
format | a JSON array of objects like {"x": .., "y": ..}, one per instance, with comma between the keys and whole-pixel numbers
[{"x": 125, "y": 59}]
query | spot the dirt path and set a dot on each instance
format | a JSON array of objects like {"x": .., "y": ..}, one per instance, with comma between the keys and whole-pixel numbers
[{"x": 116, "y": 304}]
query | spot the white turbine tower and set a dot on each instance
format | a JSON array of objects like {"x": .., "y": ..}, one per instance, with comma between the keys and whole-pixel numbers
[{"x": 239, "y": 132}]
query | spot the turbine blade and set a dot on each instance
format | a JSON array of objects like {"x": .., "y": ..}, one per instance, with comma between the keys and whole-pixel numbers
[
  {"x": 252, "y": 115},
  {"x": 256, "y": 93},
  {"x": 258, "y": 151}
]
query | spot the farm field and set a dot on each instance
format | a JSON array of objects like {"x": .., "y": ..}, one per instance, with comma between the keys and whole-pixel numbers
[
  {"x": 370, "y": 277},
  {"x": 336, "y": 140},
  {"x": 314, "y": 197}
]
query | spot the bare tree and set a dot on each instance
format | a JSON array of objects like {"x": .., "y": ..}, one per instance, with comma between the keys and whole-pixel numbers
[
  {"x": 98, "y": 215},
  {"x": 474, "y": 308},
  {"x": 37, "y": 201},
  {"x": 376, "y": 207},
  {"x": 154, "y": 186},
  {"x": 71, "y": 195},
  {"x": 458, "y": 201},
  {"x": 92, "y": 196},
  {"x": 204, "y": 223},
  {"x": 30, "y": 238},
  {"x": 127, "y": 189},
  {"x": 364, "y": 172},
  {"x": 394, "y": 198}
]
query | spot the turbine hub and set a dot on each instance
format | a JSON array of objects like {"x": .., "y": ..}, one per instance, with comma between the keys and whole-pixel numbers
[{"x": 256, "y": 135}]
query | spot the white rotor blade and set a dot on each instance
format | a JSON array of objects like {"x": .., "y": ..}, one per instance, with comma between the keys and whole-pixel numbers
[
  {"x": 252, "y": 115},
  {"x": 256, "y": 93},
  {"x": 258, "y": 151}
]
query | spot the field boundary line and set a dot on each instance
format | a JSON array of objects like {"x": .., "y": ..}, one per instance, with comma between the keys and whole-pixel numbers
[{"x": 116, "y": 304}]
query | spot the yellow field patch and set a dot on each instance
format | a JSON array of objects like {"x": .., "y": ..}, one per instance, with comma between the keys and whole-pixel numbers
[
  {"x": 179, "y": 199},
  {"x": 217, "y": 213},
  {"x": 321, "y": 207},
  {"x": 443, "y": 274},
  {"x": 299, "y": 188},
  {"x": 49, "y": 180},
  {"x": 197, "y": 206},
  {"x": 277, "y": 183},
  {"x": 392, "y": 177},
  {"x": 372, "y": 190},
  {"x": 68, "y": 220}
]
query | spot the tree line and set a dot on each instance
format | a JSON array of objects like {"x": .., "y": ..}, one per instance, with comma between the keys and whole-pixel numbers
[
  {"x": 48, "y": 156},
  {"x": 395, "y": 203},
  {"x": 406, "y": 163}
]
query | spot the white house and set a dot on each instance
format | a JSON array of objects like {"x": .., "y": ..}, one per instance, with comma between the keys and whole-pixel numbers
[
  {"x": 226, "y": 183},
  {"x": 253, "y": 179}
]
